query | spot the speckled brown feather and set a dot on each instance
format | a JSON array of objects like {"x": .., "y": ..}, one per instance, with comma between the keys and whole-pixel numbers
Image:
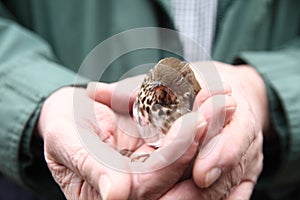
[{"x": 167, "y": 92}]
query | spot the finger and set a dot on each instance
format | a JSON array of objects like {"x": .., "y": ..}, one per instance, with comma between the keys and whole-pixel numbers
[
  {"x": 72, "y": 185},
  {"x": 170, "y": 160},
  {"x": 118, "y": 130},
  {"x": 224, "y": 151},
  {"x": 223, "y": 105},
  {"x": 101, "y": 92},
  {"x": 210, "y": 91},
  {"x": 222, "y": 187},
  {"x": 232, "y": 183},
  {"x": 72, "y": 154},
  {"x": 183, "y": 190},
  {"x": 88, "y": 192},
  {"x": 107, "y": 178},
  {"x": 119, "y": 95},
  {"x": 127, "y": 135},
  {"x": 218, "y": 111},
  {"x": 242, "y": 191},
  {"x": 103, "y": 179},
  {"x": 103, "y": 122},
  {"x": 189, "y": 191}
]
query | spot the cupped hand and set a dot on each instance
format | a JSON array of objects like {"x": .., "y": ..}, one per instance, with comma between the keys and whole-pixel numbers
[
  {"x": 78, "y": 174},
  {"x": 166, "y": 165},
  {"x": 229, "y": 164},
  {"x": 154, "y": 184}
]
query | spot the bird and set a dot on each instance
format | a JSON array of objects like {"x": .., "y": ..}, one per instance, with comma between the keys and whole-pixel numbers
[{"x": 166, "y": 93}]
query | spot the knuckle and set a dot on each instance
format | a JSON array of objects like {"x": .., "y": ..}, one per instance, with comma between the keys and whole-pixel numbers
[
  {"x": 79, "y": 160},
  {"x": 235, "y": 176},
  {"x": 231, "y": 158},
  {"x": 62, "y": 176}
]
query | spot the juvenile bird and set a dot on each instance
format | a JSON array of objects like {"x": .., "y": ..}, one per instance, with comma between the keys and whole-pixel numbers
[{"x": 167, "y": 92}]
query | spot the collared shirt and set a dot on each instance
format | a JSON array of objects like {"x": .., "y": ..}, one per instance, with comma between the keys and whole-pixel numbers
[{"x": 195, "y": 20}]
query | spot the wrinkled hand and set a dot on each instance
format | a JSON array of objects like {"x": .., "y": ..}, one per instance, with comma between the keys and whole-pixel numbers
[
  {"x": 227, "y": 167},
  {"x": 80, "y": 176},
  {"x": 153, "y": 182},
  {"x": 147, "y": 186}
]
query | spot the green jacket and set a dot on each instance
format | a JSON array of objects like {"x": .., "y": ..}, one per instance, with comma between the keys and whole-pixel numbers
[{"x": 42, "y": 44}]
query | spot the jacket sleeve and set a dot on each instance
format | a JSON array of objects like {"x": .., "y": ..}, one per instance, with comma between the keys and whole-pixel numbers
[
  {"x": 29, "y": 73},
  {"x": 280, "y": 70}
]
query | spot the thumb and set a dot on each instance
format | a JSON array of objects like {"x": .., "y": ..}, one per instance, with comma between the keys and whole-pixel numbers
[
  {"x": 99, "y": 167},
  {"x": 119, "y": 96},
  {"x": 166, "y": 165},
  {"x": 180, "y": 143},
  {"x": 92, "y": 165}
]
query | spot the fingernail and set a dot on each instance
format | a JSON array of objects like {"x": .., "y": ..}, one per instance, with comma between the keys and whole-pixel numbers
[
  {"x": 105, "y": 185},
  {"x": 92, "y": 85},
  {"x": 202, "y": 125},
  {"x": 200, "y": 130},
  {"x": 212, "y": 176},
  {"x": 228, "y": 114},
  {"x": 230, "y": 109}
]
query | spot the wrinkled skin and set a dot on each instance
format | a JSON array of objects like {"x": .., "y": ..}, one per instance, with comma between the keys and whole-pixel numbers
[
  {"x": 80, "y": 176},
  {"x": 237, "y": 150}
]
